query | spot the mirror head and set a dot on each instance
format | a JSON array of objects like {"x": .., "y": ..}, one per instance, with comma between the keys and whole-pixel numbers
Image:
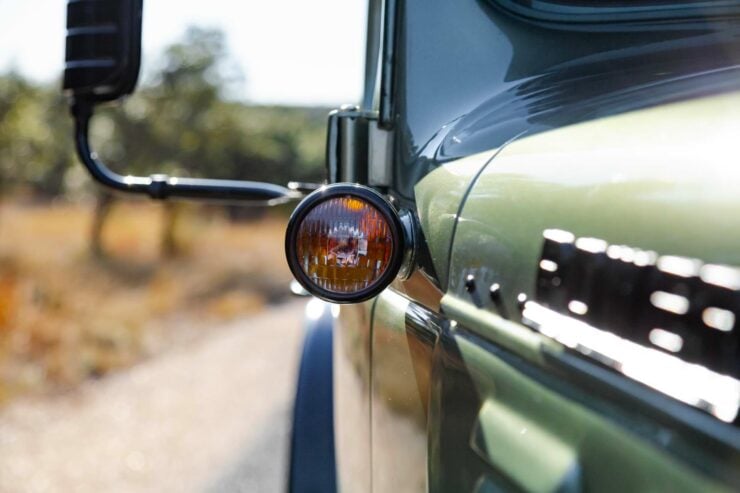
[{"x": 103, "y": 51}]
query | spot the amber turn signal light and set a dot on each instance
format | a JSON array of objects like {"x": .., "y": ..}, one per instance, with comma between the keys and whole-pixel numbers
[{"x": 344, "y": 243}]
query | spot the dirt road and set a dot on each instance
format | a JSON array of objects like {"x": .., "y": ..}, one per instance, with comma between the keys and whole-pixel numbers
[{"x": 212, "y": 415}]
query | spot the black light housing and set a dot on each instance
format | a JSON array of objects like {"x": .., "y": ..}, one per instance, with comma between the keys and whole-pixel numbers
[{"x": 345, "y": 243}]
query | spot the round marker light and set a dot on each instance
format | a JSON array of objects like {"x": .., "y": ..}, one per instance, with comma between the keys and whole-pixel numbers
[{"x": 344, "y": 243}]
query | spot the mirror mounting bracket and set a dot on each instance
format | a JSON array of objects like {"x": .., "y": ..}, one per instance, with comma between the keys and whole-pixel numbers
[{"x": 161, "y": 186}]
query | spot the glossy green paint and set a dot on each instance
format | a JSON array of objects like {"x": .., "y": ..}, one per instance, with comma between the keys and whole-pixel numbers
[
  {"x": 352, "y": 397},
  {"x": 438, "y": 199},
  {"x": 570, "y": 415},
  {"x": 664, "y": 179},
  {"x": 542, "y": 462},
  {"x": 543, "y": 442},
  {"x": 524, "y": 430},
  {"x": 512, "y": 336},
  {"x": 398, "y": 400}
]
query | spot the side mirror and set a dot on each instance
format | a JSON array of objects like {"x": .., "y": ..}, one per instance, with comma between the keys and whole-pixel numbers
[
  {"x": 103, "y": 55},
  {"x": 103, "y": 48}
]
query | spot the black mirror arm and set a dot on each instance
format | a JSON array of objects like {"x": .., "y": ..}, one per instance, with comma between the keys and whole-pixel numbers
[{"x": 160, "y": 186}]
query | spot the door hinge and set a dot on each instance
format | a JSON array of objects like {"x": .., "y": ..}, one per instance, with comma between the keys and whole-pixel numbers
[{"x": 357, "y": 149}]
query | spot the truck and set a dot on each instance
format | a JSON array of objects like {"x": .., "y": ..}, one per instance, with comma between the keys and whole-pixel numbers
[{"x": 525, "y": 258}]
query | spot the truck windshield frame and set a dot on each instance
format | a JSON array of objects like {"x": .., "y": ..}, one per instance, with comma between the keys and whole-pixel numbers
[{"x": 616, "y": 11}]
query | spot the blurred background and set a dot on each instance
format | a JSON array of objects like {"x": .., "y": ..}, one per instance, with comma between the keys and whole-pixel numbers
[{"x": 148, "y": 346}]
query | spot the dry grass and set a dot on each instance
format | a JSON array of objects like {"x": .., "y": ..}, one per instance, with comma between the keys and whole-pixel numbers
[{"x": 66, "y": 315}]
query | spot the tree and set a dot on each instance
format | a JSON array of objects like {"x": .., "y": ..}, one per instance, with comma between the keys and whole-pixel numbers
[
  {"x": 180, "y": 122},
  {"x": 35, "y": 145}
]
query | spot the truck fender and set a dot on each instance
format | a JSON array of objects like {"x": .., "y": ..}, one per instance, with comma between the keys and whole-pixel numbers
[{"x": 312, "y": 466}]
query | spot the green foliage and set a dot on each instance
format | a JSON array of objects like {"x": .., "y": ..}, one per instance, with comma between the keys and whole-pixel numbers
[
  {"x": 181, "y": 122},
  {"x": 36, "y": 147}
]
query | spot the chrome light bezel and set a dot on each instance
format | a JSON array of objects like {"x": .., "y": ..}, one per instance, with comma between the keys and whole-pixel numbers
[{"x": 366, "y": 194}]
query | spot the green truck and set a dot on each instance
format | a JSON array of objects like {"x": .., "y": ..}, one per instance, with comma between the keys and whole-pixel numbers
[{"x": 526, "y": 255}]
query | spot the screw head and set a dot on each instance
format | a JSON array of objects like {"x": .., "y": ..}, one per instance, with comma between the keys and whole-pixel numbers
[
  {"x": 470, "y": 283},
  {"x": 521, "y": 300},
  {"x": 495, "y": 291}
]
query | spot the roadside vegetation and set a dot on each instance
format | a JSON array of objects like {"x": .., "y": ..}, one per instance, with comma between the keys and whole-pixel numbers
[{"x": 90, "y": 282}]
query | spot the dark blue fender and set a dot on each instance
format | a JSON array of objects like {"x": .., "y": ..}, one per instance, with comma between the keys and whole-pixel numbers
[{"x": 312, "y": 464}]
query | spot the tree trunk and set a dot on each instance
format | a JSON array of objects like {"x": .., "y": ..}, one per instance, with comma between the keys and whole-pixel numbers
[
  {"x": 169, "y": 245},
  {"x": 103, "y": 207}
]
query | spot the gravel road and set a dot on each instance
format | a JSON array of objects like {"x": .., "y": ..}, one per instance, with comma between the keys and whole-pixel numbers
[{"x": 212, "y": 415}]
